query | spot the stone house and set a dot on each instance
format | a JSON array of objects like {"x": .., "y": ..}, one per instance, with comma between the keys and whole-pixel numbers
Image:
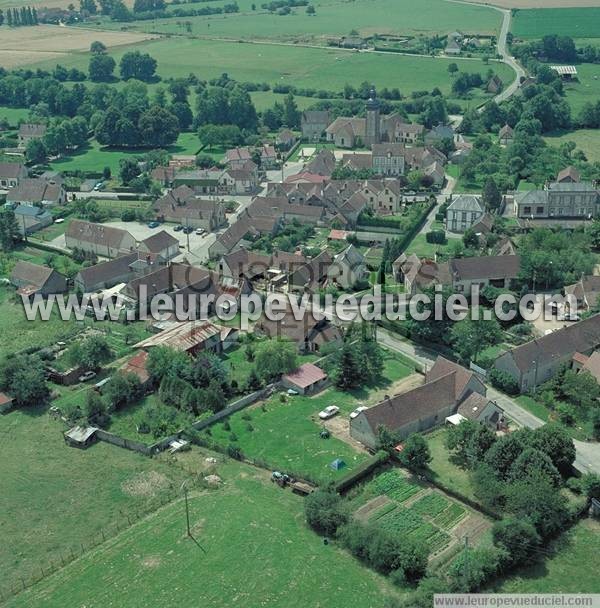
[
  {"x": 506, "y": 135},
  {"x": 99, "y": 239},
  {"x": 535, "y": 362},
  {"x": 11, "y": 174},
  {"x": 31, "y": 218},
  {"x": 29, "y": 131},
  {"x": 106, "y": 274},
  {"x": 447, "y": 385},
  {"x": 348, "y": 268},
  {"x": 31, "y": 279},
  {"x": 464, "y": 211},
  {"x": 160, "y": 245},
  {"x": 37, "y": 191},
  {"x": 313, "y": 124}
]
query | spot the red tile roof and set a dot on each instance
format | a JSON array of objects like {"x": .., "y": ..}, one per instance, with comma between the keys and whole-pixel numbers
[{"x": 306, "y": 375}]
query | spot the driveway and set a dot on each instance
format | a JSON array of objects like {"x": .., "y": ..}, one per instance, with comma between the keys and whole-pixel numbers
[{"x": 588, "y": 454}]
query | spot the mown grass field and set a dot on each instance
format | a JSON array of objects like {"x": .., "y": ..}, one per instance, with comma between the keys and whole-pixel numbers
[
  {"x": 332, "y": 19},
  {"x": 54, "y": 497},
  {"x": 95, "y": 157},
  {"x": 574, "y": 568},
  {"x": 285, "y": 434},
  {"x": 577, "y": 22},
  {"x": 253, "y": 550},
  {"x": 318, "y": 68},
  {"x": 586, "y": 89}
]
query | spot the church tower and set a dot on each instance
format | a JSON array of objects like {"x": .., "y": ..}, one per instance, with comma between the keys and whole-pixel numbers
[{"x": 373, "y": 126}]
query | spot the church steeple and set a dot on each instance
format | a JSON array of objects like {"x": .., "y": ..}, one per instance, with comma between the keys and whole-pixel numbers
[{"x": 372, "y": 127}]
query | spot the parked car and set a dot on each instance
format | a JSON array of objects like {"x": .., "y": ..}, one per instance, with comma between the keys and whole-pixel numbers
[
  {"x": 357, "y": 411},
  {"x": 87, "y": 376},
  {"x": 200, "y": 231},
  {"x": 153, "y": 225},
  {"x": 188, "y": 230},
  {"x": 329, "y": 412},
  {"x": 178, "y": 228}
]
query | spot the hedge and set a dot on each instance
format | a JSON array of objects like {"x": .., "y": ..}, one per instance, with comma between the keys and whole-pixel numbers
[{"x": 361, "y": 471}]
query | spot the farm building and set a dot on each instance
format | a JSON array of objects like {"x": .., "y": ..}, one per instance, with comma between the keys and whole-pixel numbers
[
  {"x": 80, "y": 436},
  {"x": 307, "y": 379},
  {"x": 566, "y": 72},
  {"x": 31, "y": 279},
  {"x": 6, "y": 403}
]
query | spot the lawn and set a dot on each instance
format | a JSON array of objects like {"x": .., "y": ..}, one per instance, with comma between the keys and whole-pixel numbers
[
  {"x": 443, "y": 469},
  {"x": 331, "y": 19},
  {"x": 317, "y": 68},
  {"x": 574, "y": 568},
  {"x": 587, "y": 140},
  {"x": 285, "y": 434},
  {"x": 94, "y": 157},
  {"x": 54, "y": 498},
  {"x": 419, "y": 246},
  {"x": 252, "y": 549},
  {"x": 574, "y": 22},
  {"x": 13, "y": 115}
]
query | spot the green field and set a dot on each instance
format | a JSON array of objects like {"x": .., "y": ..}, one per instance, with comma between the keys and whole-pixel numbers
[
  {"x": 587, "y": 140},
  {"x": 332, "y": 19},
  {"x": 574, "y": 568},
  {"x": 285, "y": 434},
  {"x": 54, "y": 498},
  {"x": 585, "y": 89},
  {"x": 95, "y": 157},
  {"x": 14, "y": 115},
  {"x": 574, "y": 22},
  {"x": 253, "y": 550},
  {"x": 317, "y": 68}
]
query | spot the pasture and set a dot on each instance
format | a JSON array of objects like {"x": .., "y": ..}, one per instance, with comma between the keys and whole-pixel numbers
[
  {"x": 284, "y": 431},
  {"x": 317, "y": 68},
  {"x": 54, "y": 498},
  {"x": 586, "y": 89},
  {"x": 368, "y": 17},
  {"x": 587, "y": 140},
  {"x": 575, "y": 22},
  {"x": 252, "y": 549}
]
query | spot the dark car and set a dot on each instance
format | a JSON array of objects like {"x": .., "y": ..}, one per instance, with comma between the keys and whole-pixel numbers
[
  {"x": 188, "y": 230},
  {"x": 178, "y": 228},
  {"x": 153, "y": 225}
]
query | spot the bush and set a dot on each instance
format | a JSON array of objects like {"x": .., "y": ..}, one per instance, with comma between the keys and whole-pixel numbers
[
  {"x": 503, "y": 382},
  {"x": 437, "y": 237},
  {"x": 325, "y": 512}
]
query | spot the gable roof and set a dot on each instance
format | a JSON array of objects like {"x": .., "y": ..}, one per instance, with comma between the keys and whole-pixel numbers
[
  {"x": 160, "y": 241},
  {"x": 466, "y": 202},
  {"x": 34, "y": 190},
  {"x": 485, "y": 267},
  {"x": 569, "y": 174},
  {"x": 580, "y": 337},
  {"x": 306, "y": 375},
  {"x": 424, "y": 401},
  {"x": 98, "y": 234},
  {"x": 12, "y": 170},
  {"x": 107, "y": 271},
  {"x": 32, "y": 274},
  {"x": 442, "y": 367},
  {"x": 27, "y": 129}
]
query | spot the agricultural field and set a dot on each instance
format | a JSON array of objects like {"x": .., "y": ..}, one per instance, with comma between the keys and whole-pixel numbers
[
  {"x": 317, "y": 68},
  {"x": 55, "y": 498},
  {"x": 95, "y": 157},
  {"x": 587, "y": 140},
  {"x": 25, "y": 45},
  {"x": 251, "y": 548},
  {"x": 571, "y": 565},
  {"x": 399, "y": 504},
  {"x": 575, "y": 22},
  {"x": 284, "y": 430},
  {"x": 331, "y": 19}
]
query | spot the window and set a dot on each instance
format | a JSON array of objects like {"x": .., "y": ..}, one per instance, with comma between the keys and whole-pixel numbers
[
  {"x": 527, "y": 210},
  {"x": 539, "y": 210}
]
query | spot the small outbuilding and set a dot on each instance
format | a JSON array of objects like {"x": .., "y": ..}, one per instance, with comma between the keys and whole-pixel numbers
[
  {"x": 337, "y": 464},
  {"x": 6, "y": 403},
  {"x": 80, "y": 436},
  {"x": 307, "y": 379}
]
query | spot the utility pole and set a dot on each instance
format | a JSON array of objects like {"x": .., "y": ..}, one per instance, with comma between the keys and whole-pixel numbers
[
  {"x": 187, "y": 231},
  {"x": 466, "y": 570},
  {"x": 187, "y": 509}
]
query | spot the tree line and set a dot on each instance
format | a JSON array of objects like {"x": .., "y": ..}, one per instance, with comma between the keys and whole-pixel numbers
[{"x": 15, "y": 17}]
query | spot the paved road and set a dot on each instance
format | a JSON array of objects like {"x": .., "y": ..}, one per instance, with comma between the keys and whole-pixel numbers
[{"x": 588, "y": 454}]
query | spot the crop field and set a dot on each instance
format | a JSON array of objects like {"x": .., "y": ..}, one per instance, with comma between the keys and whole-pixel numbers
[
  {"x": 318, "y": 68},
  {"x": 573, "y": 569},
  {"x": 54, "y": 498},
  {"x": 574, "y": 22},
  {"x": 25, "y": 45},
  {"x": 251, "y": 549},
  {"x": 285, "y": 434}
]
